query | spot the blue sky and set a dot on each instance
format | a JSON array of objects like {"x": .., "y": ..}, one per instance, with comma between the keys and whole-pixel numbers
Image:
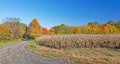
[{"x": 55, "y": 12}]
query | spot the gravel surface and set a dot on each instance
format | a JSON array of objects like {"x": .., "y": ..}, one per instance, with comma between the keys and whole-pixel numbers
[{"x": 17, "y": 54}]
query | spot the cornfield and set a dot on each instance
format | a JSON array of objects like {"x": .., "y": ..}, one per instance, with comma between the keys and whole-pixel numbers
[{"x": 80, "y": 41}]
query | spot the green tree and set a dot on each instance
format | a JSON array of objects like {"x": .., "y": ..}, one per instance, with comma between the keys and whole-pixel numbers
[
  {"x": 111, "y": 22},
  {"x": 118, "y": 25},
  {"x": 24, "y": 27}
]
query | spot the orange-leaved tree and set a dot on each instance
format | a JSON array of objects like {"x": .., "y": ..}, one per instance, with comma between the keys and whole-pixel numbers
[
  {"x": 34, "y": 29},
  {"x": 45, "y": 31},
  {"x": 109, "y": 29}
]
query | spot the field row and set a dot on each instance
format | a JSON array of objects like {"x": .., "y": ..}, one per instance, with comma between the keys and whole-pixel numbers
[{"x": 80, "y": 41}]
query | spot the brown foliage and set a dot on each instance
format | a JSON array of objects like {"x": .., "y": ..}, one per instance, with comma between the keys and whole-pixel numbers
[{"x": 80, "y": 41}]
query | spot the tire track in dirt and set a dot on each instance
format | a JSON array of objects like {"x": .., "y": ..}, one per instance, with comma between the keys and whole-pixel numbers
[{"x": 17, "y": 54}]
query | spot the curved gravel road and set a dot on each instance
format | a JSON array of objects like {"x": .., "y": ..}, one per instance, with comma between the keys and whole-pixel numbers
[{"x": 17, "y": 54}]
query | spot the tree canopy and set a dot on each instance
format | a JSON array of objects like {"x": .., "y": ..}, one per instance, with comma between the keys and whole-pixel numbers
[
  {"x": 34, "y": 29},
  {"x": 13, "y": 29}
]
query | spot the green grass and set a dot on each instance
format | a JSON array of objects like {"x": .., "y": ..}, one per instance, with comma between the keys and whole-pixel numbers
[
  {"x": 77, "y": 55},
  {"x": 7, "y": 43}
]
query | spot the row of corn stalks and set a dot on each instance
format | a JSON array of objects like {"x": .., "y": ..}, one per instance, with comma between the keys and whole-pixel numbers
[{"x": 80, "y": 41}]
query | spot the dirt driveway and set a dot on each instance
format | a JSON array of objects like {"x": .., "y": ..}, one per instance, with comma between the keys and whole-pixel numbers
[{"x": 17, "y": 54}]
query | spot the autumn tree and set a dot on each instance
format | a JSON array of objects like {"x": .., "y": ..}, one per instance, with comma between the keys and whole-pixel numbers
[
  {"x": 58, "y": 29},
  {"x": 62, "y": 29},
  {"x": 95, "y": 29},
  {"x": 51, "y": 31},
  {"x": 77, "y": 30},
  {"x": 85, "y": 29},
  {"x": 90, "y": 29},
  {"x": 14, "y": 24},
  {"x": 68, "y": 29},
  {"x": 6, "y": 32},
  {"x": 114, "y": 30},
  {"x": 104, "y": 29},
  {"x": 34, "y": 29},
  {"x": 20, "y": 31},
  {"x": 109, "y": 29},
  {"x": 45, "y": 31}
]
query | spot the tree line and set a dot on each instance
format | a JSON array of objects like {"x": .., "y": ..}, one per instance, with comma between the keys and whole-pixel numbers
[
  {"x": 110, "y": 27},
  {"x": 11, "y": 28}
]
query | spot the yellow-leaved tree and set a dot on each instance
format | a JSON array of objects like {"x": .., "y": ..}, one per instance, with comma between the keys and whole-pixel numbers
[
  {"x": 6, "y": 33},
  {"x": 20, "y": 31},
  {"x": 51, "y": 31},
  {"x": 34, "y": 29},
  {"x": 77, "y": 30}
]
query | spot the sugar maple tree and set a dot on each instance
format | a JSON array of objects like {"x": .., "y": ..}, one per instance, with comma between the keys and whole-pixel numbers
[{"x": 34, "y": 30}]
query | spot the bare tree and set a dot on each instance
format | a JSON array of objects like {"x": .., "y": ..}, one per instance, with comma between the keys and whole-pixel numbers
[{"x": 13, "y": 24}]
